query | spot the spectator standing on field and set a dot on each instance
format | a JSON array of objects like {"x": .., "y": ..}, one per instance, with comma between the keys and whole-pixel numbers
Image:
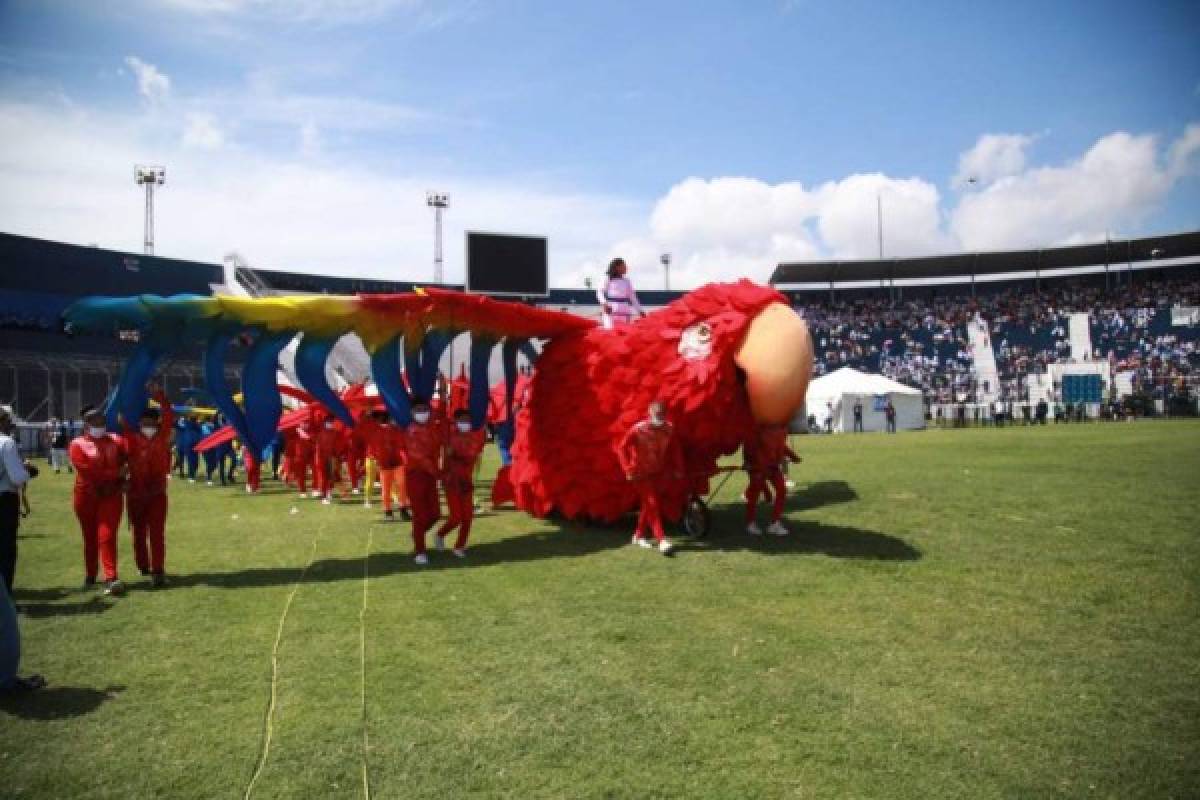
[
  {"x": 858, "y": 412},
  {"x": 889, "y": 412},
  {"x": 14, "y": 474},
  {"x": 59, "y": 439}
]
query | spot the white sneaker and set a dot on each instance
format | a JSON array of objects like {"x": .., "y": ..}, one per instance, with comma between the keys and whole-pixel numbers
[
  {"x": 249, "y": 490},
  {"x": 355, "y": 491},
  {"x": 191, "y": 480},
  {"x": 753, "y": 529},
  {"x": 665, "y": 547},
  {"x": 441, "y": 542},
  {"x": 777, "y": 529},
  {"x": 367, "y": 504},
  {"x": 209, "y": 483},
  {"x": 325, "y": 501},
  {"x": 789, "y": 483},
  {"x": 460, "y": 552},
  {"x": 302, "y": 495},
  {"x": 314, "y": 493},
  {"x": 420, "y": 559},
  {"x": 642, "y": 541}
]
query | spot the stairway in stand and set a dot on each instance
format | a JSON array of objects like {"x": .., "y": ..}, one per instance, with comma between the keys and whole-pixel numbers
[
  {"x": 983, "y": 357},
  {"x": 1080, "y": 331}
]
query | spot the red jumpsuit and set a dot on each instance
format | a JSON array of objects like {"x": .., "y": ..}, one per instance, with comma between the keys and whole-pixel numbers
[
  {"x": 356, "y": 453},
  {"x": 459, "y": 456},
  {"x": 300, "y": 457},
  {"x": 146, "y": 495},
  {"x": 421, "y": 470},
  {"x": 99, "y": 474},
  {"x": 327, "y": 459},
  {"x": 650, "y": 456},
  {"x": 764, "y": 452},
  {"x": 385, "y": 444},
  {"x": 253, "y": 467}
]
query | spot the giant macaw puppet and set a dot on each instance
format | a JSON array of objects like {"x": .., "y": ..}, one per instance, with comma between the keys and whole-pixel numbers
[{"x": 721, "y": 358}]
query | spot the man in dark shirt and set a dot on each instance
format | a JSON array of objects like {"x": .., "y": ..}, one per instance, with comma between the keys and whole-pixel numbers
[{"x": 858, "y": 426}]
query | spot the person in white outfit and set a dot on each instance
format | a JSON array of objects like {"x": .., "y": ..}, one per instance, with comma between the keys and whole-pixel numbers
[{"x": 617, "y": 297}]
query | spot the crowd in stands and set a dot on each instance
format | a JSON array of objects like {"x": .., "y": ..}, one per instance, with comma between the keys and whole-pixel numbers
[{"x": 923, "y": 341}]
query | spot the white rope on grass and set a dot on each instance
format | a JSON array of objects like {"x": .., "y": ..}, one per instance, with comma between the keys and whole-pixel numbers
[
  {"x": 362, "y": 629},
  {"x": 269, "y": 720}
]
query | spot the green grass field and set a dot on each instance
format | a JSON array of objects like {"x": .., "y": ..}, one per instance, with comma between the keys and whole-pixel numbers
[{"x": 974, "y": 614}]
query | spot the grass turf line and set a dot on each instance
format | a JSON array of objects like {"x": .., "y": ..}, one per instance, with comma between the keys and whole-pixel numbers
[{"x": 268, "y": 718}]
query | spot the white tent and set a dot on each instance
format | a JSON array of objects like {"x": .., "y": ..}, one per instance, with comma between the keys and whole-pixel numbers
[{"x": 833, "y": 397}]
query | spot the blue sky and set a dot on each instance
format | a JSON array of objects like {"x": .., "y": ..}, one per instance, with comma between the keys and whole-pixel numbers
[{"x": 732, "y": 134}]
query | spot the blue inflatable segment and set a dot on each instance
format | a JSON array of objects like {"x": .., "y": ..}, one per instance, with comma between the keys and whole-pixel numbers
[
  {"x": 385, "y": 370},
  {"x": 508, "y": 356},
  {"x": 218, "y": 387},
  {"x": 311, "y": 356},
  {"x": 107, "y": 314},
  {"x": 481, "y": 357},
  {"x": 260, "y": 389},
  {"x": 432, "y": 347},
  {"x": 129, "y": 400}
]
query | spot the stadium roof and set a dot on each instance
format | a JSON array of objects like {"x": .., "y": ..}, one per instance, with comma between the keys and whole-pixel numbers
[{"x": 1118, "y": 252}]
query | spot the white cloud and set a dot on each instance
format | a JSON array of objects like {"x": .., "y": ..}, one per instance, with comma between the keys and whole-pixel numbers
[
  {"x": 848, "y": 217},
  {"x": 64, "y": 174},
  {"x": 201, "y": 131},
  {"x": 1114, "y": 186},
  {"x": 731, "y": 226},
  {"x": 153, "y": 85},
  {"x": 994, "y": 156},
  {"x": 1181, "y": 157}
]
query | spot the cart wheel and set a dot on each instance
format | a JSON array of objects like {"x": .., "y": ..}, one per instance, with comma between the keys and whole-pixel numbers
[{"x": 696, "y": 519}]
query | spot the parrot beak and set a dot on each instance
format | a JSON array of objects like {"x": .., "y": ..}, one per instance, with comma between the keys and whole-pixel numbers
[{"x": 777, "y": 357}]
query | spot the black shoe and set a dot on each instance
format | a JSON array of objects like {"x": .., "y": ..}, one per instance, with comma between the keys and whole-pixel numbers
[
  {"x": 89, "y": 583},
  {"x": 158, "y": 580},
  {"x": 406, "y": 514},
  {"x": 144, "y": 572},
  {"x": 389, "y": 516}
]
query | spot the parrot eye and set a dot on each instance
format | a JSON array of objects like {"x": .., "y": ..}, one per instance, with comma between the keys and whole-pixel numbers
[{"x": 696, "y": 342}]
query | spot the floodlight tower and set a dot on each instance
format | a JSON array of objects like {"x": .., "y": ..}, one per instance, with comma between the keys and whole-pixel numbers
[
  {"x": 437, "y": 201},
  {"x": 149, "y": 177},
  {"x": 665, "y": 258}
]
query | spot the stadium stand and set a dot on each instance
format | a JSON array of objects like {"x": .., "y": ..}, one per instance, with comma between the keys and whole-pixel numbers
[{"x": 915, "y": 332}]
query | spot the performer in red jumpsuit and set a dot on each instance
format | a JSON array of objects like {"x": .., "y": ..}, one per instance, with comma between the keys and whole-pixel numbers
[
  {"x": 650, "y": 455},
  {"x": 300, "y": 454},
  {"x": 148, "y": 449},
  {"x": 355, "y": 445},
  {"x": 327, "y": 459},
  {"x": 100, "y": 473},
  {"x": 253, "y": 466},
  {"x": 764, "y": 451},
  {"x": 462, "y": 448},
  {"x": 386, "y": 445},
  {"x": 424, "y": 440}
]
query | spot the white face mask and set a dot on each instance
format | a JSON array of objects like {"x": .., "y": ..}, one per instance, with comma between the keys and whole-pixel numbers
[
  {"x": 95, "y": 432},
  {"x": 421, "y": 417},
  {"x": 149, "y": 432},
  {"x": 464, "y": 426}
]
